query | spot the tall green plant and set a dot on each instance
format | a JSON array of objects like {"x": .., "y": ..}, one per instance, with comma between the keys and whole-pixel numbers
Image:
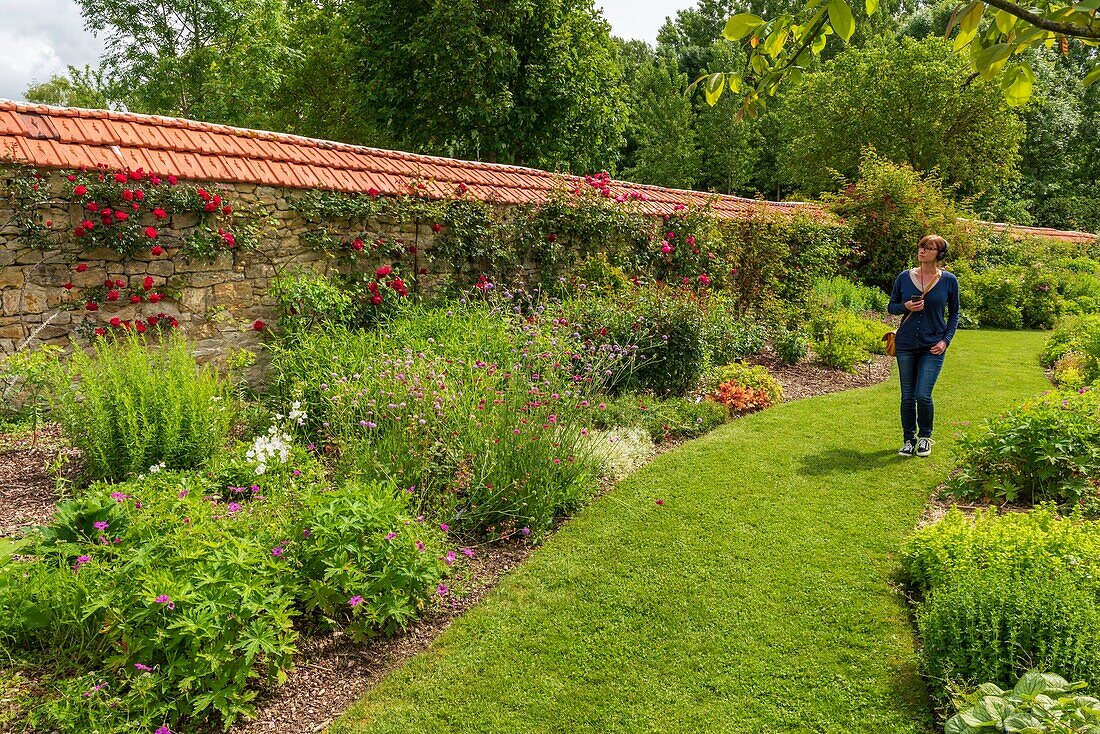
[{"x": 131, "y": 405}]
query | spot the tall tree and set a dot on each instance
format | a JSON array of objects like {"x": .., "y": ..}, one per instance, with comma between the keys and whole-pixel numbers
[
  {"x": 914, "y": 103},
  {"x": 88, "y": 88},
  {"x": 215, "y": 60},
  {"x": 730, "y": 150},
  {"x": 516, "y": 81},
  {"x": 661, "y": 122}
]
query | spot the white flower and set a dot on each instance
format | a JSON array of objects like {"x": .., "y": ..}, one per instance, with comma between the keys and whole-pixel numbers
[{"x": 155, "y": 468}]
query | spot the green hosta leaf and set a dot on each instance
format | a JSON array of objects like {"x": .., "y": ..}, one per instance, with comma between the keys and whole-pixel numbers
[
  {"x": 716, "y": 84},
  {"x": 840, "y": 18},
  {"x": 991, "y": 60},
  {"x": 741, "y": 25},
  {"x": 997, "y": 708},
  {"x": 1092, "y": 77},
  {"x": 1005, "y": 21},
  {"x": 1017, "y": 85},
  {"x": 870, "y": 6},
  {"x": 1030, "y": 684}
]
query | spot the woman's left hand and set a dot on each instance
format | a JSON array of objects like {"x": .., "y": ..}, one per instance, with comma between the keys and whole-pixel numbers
[{"x": 939, "y": 347}]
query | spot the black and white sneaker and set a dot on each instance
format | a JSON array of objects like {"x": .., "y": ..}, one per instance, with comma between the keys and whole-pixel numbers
[
  {"x": 924, "y": 446},
  {"x": 908, "y": 448}
]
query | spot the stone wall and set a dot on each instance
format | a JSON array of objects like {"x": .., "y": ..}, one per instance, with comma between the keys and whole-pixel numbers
[{"x": 216, "y": 303}]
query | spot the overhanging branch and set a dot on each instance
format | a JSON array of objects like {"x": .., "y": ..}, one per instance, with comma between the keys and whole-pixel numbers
[{"x": 1066, "y": 29}]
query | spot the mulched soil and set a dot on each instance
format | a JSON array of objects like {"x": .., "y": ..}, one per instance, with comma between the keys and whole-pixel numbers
[
  {"x": 27, "y": 478},
  {"x": 331, "y": 670}
]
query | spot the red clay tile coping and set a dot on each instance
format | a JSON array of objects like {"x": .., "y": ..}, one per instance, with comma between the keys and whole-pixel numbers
[
  {"x": 68, "y": 137},
  {"x": 65, "y": 137}
]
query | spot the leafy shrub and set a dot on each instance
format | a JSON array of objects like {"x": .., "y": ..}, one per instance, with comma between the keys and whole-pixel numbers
[
  {"x": 133, "y": 405},
  {"x": 839, "y": 292},
  {"x": 889, "y": 208},
  {"x": 677, "y": 418},
  {"x": 1039, "y": 703},
  {"x": 992, "y": 625},
  {"x": 1078, "y": 336},
  {"x": 1046, "y": 449},
  {"x": 1073, "y": 371},
  {"x": 756, "y": 377},
  {"x": 481, "y": 415},
  {"x": 1012, "y": 297},
  {"x": 727, "y": 337},
  {"x": 740, "y": 399},
  {"x": 175, "y": 582},
  {"x": 660, "y": 327},
  {"x": 663, "y": 418},
  {"x": 1017, "y": 543},
  {"x": 1004, "y": 592},
  {"x": 843, "y": 340},
  {"x": 790, "y": 345},
  {"x": 361, "y": 545},
  {"x": 306, "y": 299}
]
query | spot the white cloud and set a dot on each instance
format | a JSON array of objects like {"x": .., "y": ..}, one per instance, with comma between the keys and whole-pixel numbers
[{"x": 39, "y": 39}]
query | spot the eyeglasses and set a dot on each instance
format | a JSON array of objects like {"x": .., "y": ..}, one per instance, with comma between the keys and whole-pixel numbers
[{"x": 929, "y": 247}]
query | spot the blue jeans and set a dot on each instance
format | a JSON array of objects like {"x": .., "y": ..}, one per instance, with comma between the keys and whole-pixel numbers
[{"x": 918, "y": 370}]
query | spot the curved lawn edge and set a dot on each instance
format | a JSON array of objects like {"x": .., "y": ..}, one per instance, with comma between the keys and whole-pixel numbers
[{"x": 761, "y": 596}]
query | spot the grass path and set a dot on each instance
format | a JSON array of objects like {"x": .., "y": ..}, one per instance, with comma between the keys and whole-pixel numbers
[{"x": 759, "y": 598}]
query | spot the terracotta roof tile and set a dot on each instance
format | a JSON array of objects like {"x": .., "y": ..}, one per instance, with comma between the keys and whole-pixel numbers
[{"x": 203, "y": 151}]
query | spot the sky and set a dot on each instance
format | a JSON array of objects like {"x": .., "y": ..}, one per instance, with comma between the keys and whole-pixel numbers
[{"x": 39, "y": 38}]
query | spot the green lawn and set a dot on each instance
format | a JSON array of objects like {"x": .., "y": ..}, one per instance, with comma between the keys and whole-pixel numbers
[{"x": 761, "y": 597}]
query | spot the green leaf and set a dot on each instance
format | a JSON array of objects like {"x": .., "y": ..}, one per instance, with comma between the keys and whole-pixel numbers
[
  {"x": 1005, "y": 21},
  {"x": 962, "y": 38},
  {"x": 734, "y": 80},
  {"x": 991, "y": 60},
  {"x": 1030, "y": 684},
  {"x": 774, "y": 43},
  {"x": 716, "y": 84},
  {"x": 870, "y": 6},
  {"x": 840, "y": 18},
  {"x": 759, "y": 64},
  {"x": 1092, "y": 77},
  {"x": 972, "y": 17},
  {"x": 1088, "y": 5},
  {"x": 1017, "y": 85},
  {"x": 741, "y": 25}
]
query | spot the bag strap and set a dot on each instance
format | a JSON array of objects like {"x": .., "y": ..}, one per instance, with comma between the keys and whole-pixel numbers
[{"x": 923, "y": 293}]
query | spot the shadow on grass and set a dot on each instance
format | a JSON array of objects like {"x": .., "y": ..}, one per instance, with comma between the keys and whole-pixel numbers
[{"x": 834, "y": 460}]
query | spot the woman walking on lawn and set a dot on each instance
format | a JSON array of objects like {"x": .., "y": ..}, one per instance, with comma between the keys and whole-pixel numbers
[{"x": 921, "y": 296}]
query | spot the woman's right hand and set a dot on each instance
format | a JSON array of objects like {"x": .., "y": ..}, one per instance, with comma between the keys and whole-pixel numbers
[{"x": 915, "y": 305}]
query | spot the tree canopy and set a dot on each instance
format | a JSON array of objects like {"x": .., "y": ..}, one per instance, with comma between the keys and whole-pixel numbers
[
  {"x": 514, "y": 81},
  {"x": 913, "y": 103}
]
